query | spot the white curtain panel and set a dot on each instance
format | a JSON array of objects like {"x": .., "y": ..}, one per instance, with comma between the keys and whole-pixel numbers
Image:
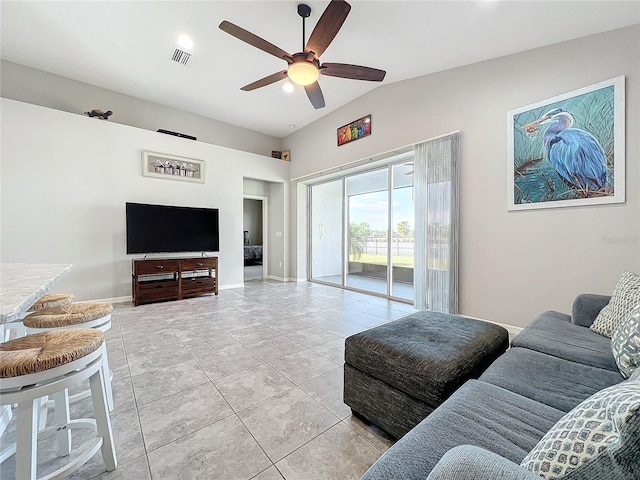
[{"x": 436, "y": 224}]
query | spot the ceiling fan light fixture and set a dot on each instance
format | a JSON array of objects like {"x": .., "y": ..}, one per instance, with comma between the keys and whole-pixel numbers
[{"x": 303, "y": 73}]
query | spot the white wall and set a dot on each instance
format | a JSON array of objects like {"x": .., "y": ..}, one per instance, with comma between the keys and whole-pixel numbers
[
  {"x": 513, "y": 265},
  {"x": 65, "y": 179},
  {"x": 41, "y": 88},
  {"x": 278, "y": 230}
]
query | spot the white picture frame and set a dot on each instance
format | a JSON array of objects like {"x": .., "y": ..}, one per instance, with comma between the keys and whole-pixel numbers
[
  {"x": 172, "y": 167},
  {"x": 538, "y": 176}
]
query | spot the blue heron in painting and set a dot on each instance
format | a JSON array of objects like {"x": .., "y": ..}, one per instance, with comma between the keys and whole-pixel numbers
[{"x": 574, "y": 153}]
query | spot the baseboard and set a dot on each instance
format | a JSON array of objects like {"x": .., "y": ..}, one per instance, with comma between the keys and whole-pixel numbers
[
  {"x": 279, "y": 279},
  {"x": 512, "y": 329},
  {"x": 125, "y": 299},
  {"x": 296, "y": 280},
  {"x": 231, "y": 285}
]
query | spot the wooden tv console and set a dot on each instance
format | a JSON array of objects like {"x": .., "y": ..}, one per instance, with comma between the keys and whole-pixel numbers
[{"x": 161, "y": 279}]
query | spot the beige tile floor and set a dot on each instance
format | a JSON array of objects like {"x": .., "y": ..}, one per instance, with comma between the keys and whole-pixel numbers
[{"x": 245, "y": 385}]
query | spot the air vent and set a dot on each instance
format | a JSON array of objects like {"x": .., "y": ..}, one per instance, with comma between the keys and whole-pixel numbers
[{"x": 181, "y": 56}]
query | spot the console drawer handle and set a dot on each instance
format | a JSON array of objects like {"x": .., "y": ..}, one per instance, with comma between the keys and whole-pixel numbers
[
  {"x": 198, "y": 264},
  {"x": 159, "y": 267}
]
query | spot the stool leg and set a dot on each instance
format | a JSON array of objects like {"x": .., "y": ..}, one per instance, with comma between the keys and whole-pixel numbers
[
  {"x": 61, "y": 402},
  {"x": 43, "y": 412},
  {"x": 27, "y": 440},
  {"x": 107, "y": 376},
  {"x": 103, "y": 421}
]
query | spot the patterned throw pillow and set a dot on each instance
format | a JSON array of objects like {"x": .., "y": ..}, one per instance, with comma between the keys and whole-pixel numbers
[
  {"x": 598, "y": 438},
  {"x": 625, "y": 344},
  {"x": 635, "y": 376},
  {"x": 625, "y": 296}
]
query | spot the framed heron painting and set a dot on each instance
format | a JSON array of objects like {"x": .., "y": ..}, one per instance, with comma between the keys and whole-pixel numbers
[{"x": 568, "y": 150}]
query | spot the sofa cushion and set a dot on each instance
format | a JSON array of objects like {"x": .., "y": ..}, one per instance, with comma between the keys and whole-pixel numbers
[
  {"x": 554, "y": 381},
  {"x": 586, "y": 308},
  {"x": 625, "y": 343},
  {"x": 554, "y": 334},
  {"x": 600, "y": 438},
  {"x": 625, "y": 296},
  {"x": 472, "y": 463},
  {"x": 477, "y": 414}
]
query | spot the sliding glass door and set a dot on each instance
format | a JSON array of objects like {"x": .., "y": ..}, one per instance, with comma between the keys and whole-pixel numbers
[
  {"x": 361, "y": 231},
  {"x": 402, "y": 228},
  {"x": 368, "y": 230},
  {"x": 326, "y": 232}
]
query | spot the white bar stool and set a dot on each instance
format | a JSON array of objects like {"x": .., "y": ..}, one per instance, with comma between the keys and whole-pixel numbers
[
  {"x": 46, "y": 301},
  {"x": 46, "y": 364},
  {"x": 15, "y": 329},
  {"x": 93, "y": 315}
]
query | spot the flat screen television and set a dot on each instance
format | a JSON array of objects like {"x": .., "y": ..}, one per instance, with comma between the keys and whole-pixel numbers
[{"x": 165, "y": 229}]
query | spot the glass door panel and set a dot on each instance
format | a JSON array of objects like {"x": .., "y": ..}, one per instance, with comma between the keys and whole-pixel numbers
[
  {"x": 367, "y": 236},
  {"x": 326, "y": 232},
  {"x": 402, "y": 228}
]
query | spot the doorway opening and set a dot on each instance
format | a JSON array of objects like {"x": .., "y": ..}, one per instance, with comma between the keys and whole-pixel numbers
[{"x": 254, "y": 237}]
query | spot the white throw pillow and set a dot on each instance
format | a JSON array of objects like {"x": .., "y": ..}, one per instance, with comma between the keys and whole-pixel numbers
[
  {"x": 625, "y": 344},
  {"x": 599, "y": 437},
  {"x": 625, "y": 296}
]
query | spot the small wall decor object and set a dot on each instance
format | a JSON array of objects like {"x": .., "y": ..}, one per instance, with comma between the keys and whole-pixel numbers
[
  {"x": 568, "y": 150},
  {"x": 354, "y": 130},
  {"x": 172, "y": 167},
  {"x": 276, "y": 154},
  {"x": 246, "y": 237},
  {"x": 99, "y": 114},
  {"x": 286, "y": 156}
]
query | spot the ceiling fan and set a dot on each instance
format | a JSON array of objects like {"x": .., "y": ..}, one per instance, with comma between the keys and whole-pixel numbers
[{"x": 304, "y": 67}]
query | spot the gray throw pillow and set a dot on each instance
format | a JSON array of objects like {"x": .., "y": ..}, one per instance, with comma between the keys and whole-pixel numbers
[
  {"x": 600, "y": 438},
  {"x": 625, "y": 296},
  {"x": 625, "y": 344}
]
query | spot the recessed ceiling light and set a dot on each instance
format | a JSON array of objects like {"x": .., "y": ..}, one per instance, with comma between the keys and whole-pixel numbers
[
  {"x": 185, "y": 42},
  {"x": 292, "y": 125},
  {"x": 287, "y": 87}
]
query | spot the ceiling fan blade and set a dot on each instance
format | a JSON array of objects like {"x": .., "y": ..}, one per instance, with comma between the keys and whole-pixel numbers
[
  {"x": 251, "y": 39},
  {"x": 263, "y": 82},
  {"x": 355, "y": 72},
  {"x": 327, "y": 27},
  {"x": 314, "y": 92}
]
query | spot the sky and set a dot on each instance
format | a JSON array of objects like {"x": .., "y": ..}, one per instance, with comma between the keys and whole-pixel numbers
[{"x": 372, "y": 208}]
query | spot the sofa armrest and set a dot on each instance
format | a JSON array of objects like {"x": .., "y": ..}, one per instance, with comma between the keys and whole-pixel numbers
[
  {"x": 586, "y": 308},
  {"x": 473, "y": 463}
]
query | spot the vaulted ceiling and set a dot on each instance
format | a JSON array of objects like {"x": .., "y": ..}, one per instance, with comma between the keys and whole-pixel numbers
[{"x": 127, "y": 46}]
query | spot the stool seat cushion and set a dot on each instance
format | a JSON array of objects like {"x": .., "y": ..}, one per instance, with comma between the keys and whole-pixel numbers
[
  {"x": 67, "y": 315},
  {"x": 46, "y": 350},
  {"x": 52, "y": 300}
]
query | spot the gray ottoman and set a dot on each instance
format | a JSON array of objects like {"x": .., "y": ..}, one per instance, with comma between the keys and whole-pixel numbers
[{"x": 397, "y": 374}]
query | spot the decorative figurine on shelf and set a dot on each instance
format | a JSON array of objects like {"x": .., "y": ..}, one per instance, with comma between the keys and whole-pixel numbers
[{"x": 99, "y": 114}]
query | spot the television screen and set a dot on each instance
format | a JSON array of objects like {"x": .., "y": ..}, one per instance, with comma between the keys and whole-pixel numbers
[{"x": 164, "y": 229}]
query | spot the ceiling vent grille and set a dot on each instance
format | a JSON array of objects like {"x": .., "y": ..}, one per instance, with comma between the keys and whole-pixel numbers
[{"x": 181, "y": 56}]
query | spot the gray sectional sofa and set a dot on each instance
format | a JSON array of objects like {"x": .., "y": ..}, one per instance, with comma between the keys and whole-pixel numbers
[{"x": 488, "y": 426}]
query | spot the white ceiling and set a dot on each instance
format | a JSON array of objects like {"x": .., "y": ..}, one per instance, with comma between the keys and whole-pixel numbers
[{"x": 126, "y": 46}]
